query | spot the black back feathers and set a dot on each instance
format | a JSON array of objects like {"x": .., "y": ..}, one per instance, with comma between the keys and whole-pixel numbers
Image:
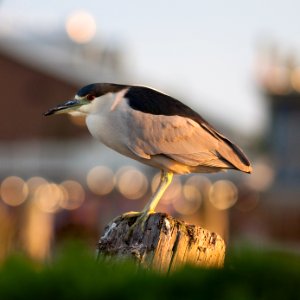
[{"x": 154, "y": 102}]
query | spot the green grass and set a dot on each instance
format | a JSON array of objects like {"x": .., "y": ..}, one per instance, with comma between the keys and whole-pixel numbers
[{"x": 74, "y": 274}]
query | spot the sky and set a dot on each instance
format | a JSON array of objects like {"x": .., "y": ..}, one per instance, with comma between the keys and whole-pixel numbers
[{"x": 202, "y": 52}]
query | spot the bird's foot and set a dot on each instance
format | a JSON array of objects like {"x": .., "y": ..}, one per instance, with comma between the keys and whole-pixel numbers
[
  {"x": 130, "y": 214},
  {"x": 140, "y": 221},
  {"x": 127, "y": 215}
]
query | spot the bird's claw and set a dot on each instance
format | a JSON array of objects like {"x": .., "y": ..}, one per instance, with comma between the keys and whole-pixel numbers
[{"x": 139, "y": 222}]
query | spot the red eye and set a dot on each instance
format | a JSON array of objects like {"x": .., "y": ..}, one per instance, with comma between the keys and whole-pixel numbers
[{"x": 90, "y": 97}]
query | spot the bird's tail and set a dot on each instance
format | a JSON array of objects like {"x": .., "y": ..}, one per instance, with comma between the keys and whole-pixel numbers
[
  {"x": 233, "y": 155},
  {"x": 229, "y": 153}
]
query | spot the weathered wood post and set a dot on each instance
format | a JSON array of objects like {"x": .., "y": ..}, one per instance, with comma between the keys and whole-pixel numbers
[{"x": 164, "y": 244}]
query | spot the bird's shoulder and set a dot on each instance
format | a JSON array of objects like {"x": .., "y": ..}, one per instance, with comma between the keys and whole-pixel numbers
[{"x": 148, "y": 100}]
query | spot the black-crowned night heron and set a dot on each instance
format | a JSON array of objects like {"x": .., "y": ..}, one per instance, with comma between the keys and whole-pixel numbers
[{"x": 155, "y": 129}]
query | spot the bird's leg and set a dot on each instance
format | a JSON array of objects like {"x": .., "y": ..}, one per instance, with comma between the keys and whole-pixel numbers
[{"x": 165, "y": 180}]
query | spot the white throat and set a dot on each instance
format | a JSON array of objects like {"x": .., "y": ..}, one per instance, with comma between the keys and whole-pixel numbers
[{"x": 105, "y": 120}]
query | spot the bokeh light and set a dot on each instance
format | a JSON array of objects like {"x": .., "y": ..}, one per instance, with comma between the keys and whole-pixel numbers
[
  {"x": 81, "y": 27},
  {"x": 34, "y": 182},
  {"x": 278, "y": 80},
  {"x": 75, "y": 195},
  {"x": 295, "y": 79},
  {"x": 14, "y": 190},
  {"x": 191, "y": 192},
  {"x": 223, "y": 194},
  {"x": 192, "y": 198},
  {"x": 262, "y": 177},
  {"x": 48, "y": 197},
  {"x": 131, "y": 182},
  {"x": 200, "y": 182},
  {"x": 188, "y": 205},
  {"x": 100, "y": 180}
]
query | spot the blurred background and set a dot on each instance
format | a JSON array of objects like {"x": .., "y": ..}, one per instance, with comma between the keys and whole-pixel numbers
[{"x": 237, "y": 64}]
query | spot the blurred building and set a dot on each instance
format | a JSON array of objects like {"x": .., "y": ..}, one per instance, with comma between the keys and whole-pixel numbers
[
  {"x": 281, "y": 86},
  {"x": 277, "y": 216},
  {"x": 38, "y": 71}
]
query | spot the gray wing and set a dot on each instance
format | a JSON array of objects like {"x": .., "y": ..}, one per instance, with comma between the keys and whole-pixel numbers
[{"x": 181, "y": 139}]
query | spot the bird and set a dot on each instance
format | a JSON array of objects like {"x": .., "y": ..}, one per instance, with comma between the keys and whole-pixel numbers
[{"x": 155, "y": 129}]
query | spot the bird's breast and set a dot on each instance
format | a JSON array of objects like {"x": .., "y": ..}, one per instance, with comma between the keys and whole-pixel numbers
[{"x": 111, "y": 129}]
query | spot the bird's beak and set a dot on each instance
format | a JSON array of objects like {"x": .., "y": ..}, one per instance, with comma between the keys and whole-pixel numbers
[{"x": 63, "y": 108}]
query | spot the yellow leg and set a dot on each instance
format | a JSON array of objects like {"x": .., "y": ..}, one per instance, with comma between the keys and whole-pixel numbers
[{"x": 165, "y": 180}]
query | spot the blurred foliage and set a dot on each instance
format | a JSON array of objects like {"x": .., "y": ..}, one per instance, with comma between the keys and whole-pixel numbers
[{"x": 75, "y": 274}]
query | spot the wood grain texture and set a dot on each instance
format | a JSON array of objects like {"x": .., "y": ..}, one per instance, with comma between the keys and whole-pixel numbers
[{"x": 164, "y": 245}]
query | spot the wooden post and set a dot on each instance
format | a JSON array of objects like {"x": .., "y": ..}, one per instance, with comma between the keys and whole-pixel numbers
[{"x": 164, "y": 245}]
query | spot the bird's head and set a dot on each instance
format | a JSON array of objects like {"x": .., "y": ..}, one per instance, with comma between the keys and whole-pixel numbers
[{"x": 85, "y": 98}]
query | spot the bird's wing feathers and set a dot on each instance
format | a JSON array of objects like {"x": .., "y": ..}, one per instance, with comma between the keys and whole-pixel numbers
[
  {"x": 179, "y": 138},
  {"x": 183, "y": 140}
]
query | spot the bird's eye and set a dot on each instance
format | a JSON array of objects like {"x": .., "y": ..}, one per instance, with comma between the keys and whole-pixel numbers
[{"x": 90, "y": 97}]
